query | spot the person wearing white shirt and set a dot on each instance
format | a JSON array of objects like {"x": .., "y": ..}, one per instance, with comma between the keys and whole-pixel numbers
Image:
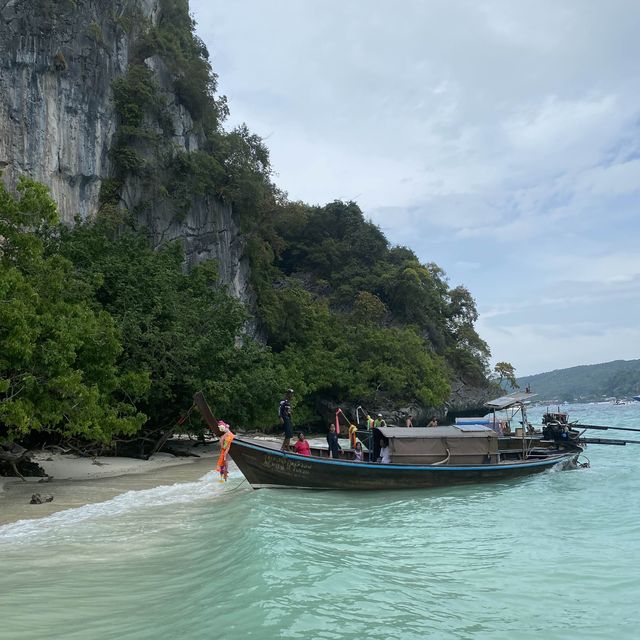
[{"x": 385, "y": 454}]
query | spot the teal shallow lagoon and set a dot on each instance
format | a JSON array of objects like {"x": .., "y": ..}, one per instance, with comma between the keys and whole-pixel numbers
[{"x": 553, "y": 556}]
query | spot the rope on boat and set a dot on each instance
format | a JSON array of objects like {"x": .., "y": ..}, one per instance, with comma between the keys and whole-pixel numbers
[
  {"x": 183, "y": 419},
  {"x": 238, "y": 485},
  {"x": 583, "y": 465},
  {"x": 435, "y": 464}
]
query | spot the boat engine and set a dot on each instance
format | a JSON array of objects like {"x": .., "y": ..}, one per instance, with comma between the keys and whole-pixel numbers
[
  {"x": 556, "y": 427},
  {"x": 555, "y": 431},
  {"x": 561, "y": 418}
]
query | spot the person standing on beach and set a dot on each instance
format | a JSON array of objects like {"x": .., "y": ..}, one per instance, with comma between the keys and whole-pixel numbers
[{"x": 286, "y": 420}]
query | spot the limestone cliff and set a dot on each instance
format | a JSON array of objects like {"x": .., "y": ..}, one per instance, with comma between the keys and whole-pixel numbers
[{"x": 58, "y": 120}]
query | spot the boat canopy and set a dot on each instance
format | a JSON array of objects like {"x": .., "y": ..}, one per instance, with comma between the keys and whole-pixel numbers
[
  {"x": 505, "y": 402},
  {"x": 464, "y": 444}
]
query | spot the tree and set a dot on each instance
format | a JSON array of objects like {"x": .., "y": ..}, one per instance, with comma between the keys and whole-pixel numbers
[
  {"x": 506, "y": 372},
  {"x": 179, "y": 328},
  {"x": 368, "y": 308},
  {"x": 58, "y": 351}
]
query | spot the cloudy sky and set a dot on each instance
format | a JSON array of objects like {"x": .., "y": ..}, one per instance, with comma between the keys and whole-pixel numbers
[{"x": 498, "y": 139}]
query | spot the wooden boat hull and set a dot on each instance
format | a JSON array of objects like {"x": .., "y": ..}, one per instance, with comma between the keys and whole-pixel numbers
[{"x": 265, "y": 467}]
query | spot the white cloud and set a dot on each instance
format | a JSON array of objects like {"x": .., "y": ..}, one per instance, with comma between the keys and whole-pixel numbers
[
  {"x": 529, "y": 347},
  {"x": 559, "y": 123},
  {"x": 488, "y": 132},
  {"x": 612, "y": 180},
  {"x": 607, "y": 269}
]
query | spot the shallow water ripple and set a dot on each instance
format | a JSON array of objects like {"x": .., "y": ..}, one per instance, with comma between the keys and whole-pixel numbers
[{"x": 553, "y": 556}]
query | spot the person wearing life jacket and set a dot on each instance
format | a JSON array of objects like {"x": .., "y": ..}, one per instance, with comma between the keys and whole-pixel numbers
[{"x": 379, "y": 422}]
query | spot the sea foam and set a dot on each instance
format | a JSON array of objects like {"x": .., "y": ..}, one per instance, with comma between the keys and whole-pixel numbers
[{"x": 203, "y": 489}]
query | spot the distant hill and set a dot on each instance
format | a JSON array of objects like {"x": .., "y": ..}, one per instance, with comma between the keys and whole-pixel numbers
[{"x": 620, "y": 378}]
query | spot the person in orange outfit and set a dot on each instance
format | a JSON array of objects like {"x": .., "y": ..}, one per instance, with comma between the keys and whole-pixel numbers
[
  {"x": 352, "y": 435},
  {"x": 226, "y": 439}
]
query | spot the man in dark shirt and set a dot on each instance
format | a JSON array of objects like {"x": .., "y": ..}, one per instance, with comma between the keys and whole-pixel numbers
[
  {"x": 332, "y": 441},
  {"x": 286, "y": 420}
]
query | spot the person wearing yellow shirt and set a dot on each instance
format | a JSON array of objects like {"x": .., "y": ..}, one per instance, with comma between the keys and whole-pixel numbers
[
  {"x": 352, "y": 435},
  {"x": 379, "y": 422}
]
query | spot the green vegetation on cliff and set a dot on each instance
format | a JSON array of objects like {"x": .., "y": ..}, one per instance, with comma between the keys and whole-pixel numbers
[
  {"x": 232, "y": 166},
  {"x": 341, "y": 258},
  {"x": 99, "y": 334},
  {"x": 332, "y": 295},
  {"x": 58, "y": 351},
  {"x": 102, "y": 335}
]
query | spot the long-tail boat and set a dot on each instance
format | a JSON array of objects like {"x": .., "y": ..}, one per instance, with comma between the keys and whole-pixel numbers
[{"x": 419, "y": 457}]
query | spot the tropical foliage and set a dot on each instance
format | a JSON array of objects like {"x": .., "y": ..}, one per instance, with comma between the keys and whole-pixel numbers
[
  {"x": 505, "y": 374},
  {"x": 58, "y": 350},
  {"x": 102, "y": 334},
  {"x": 179, "y": 328}
]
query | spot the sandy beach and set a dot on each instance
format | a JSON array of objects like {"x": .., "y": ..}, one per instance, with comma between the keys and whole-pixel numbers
[{"x": 74, "y": 481}]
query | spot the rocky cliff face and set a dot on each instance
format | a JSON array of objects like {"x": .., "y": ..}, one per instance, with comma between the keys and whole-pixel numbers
[
  {"x": 58, "y": 60},
  {"x": 464, "y": 400},
  {"x": 469, "y": 399}
]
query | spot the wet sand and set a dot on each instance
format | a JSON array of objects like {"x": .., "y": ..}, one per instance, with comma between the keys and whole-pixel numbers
[{"x": 80, "y": 482}]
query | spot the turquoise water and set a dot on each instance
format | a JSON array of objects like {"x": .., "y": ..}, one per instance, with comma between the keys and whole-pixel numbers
[{"x": 551, "y": 556}]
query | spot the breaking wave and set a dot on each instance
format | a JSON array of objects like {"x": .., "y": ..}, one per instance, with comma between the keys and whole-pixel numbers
[{"x": 182, "y": 493}]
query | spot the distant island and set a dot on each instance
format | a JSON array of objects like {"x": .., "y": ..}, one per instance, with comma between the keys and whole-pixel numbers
[{"x": 619, "y": 379}]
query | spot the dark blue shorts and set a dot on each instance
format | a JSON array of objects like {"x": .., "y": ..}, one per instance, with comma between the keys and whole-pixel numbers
[{"x": 288, "y": 427}]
